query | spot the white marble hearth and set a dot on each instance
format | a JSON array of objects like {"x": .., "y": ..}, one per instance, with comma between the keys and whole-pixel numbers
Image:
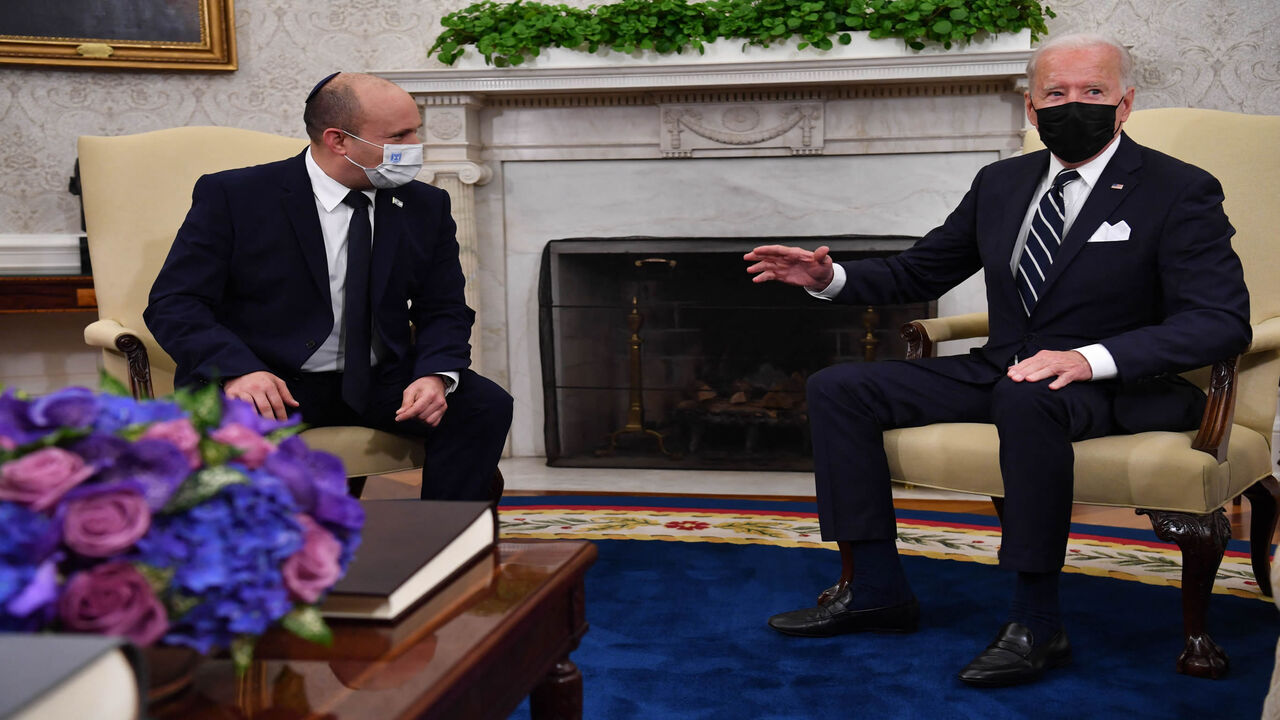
[{"x": 755, "y": 148}]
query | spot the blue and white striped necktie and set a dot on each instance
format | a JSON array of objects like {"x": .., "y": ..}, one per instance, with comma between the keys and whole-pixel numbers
[{"x": 1043, "y": 240}]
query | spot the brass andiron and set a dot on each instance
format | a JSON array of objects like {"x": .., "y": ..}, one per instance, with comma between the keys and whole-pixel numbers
[{"x": 635, "y": 412}]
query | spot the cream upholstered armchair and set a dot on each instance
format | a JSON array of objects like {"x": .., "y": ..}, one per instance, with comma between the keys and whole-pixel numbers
[
  {"x": 1180, "y": 480},
  {"x": 137, "y": 190}
]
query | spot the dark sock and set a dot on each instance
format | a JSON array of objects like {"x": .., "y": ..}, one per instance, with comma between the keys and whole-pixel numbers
[
  {"x": 1035, "y": 604},
  {"x": 878, "y": 579}
]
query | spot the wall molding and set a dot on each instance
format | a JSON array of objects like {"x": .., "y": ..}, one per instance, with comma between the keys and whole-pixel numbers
[{"x": 39, "y": 254}]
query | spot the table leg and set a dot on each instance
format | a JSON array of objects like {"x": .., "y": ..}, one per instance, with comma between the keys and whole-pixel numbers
[{"x": 559, "y": 695}]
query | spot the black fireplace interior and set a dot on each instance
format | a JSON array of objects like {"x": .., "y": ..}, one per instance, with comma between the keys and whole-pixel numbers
[{"x": 662, "y": 353}]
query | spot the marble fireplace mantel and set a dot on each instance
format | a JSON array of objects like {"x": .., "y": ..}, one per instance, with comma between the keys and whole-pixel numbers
[{"x": 757, "y": 144}]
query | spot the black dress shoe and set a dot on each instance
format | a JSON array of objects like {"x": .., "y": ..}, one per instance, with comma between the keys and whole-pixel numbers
[
  {"x": 1014, "y": 658},
  {"x": 834, "y": 617}
]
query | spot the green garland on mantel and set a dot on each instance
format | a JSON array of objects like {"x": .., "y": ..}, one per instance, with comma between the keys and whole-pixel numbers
[{"x": 509, "y": 33}]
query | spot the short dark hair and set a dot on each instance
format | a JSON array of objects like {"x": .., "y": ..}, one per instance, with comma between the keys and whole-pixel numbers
[{"x": 333, "y": 105}]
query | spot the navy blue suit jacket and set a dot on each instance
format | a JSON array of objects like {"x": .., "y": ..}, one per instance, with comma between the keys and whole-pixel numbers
[
  {"x": 245, "y": 286},
  {"x": 1170, "y": 298}
]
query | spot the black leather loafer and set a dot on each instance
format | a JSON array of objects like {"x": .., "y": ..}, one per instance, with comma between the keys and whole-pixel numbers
[
  {"x": 1015, "y": 657},
  {"x": 834, "y": 617}
]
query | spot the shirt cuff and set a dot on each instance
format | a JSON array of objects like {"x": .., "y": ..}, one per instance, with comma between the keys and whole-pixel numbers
[
  {"x": 450, "y": 380},
  {"x": 1100, "y": 361},
  {"x": 832, "y": 290}
]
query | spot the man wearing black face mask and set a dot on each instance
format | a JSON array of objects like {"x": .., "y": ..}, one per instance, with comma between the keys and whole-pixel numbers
[
  {"x": 1108, "y": 269},
  {"x": 295, "y": 283}
]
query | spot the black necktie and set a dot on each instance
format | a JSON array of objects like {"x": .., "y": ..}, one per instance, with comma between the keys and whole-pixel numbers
[
  {"x": 1043, "y": 240},
  {"x": 355, "y": 373}
]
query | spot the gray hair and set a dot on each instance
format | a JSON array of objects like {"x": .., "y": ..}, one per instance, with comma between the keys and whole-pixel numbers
[{"x": 1084, "y": 40}]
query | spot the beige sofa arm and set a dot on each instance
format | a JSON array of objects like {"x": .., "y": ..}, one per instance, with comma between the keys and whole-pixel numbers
[
  {"x": 922, "y": 334},
  {"x": 111, "y": 335}
]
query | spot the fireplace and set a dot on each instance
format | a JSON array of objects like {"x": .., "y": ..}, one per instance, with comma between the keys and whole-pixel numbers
[
  {"x": 884, "y": 146},
  {"x": 661, "y": 352}
]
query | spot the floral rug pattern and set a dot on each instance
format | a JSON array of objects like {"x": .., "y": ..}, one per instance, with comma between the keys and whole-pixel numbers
[{"x": 1153, "y": 562}]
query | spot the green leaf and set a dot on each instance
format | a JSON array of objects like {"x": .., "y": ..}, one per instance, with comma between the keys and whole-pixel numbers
[
  {"x": 202, "y": 485},
  {"x": 306, "y": 622},
  {"x": 214, "y": 453},
  {"x": 942, "y": 27},
  {"x": 158, "y": 578},
  {"x": 111, "y": 385},
  {"x": 242, "y": 653}
]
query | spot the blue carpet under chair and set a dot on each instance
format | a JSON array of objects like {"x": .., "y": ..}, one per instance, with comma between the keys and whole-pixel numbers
[{"x": 678, "y": 631}]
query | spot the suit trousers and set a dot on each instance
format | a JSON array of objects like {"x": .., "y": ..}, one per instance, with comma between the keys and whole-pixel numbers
[
  {"x": 851, "y": 405},
  {"x": 462, "y": 451}
]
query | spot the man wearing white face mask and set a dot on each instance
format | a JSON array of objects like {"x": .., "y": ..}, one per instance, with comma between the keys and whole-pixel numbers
[{"x": 296, "y": 284}]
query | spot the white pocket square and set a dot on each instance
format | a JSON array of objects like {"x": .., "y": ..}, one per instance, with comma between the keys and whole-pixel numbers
[{"x": 1107, "y": 232}]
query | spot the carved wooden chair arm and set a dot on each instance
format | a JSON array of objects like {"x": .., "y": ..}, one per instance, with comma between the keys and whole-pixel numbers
[
  {"x": 1219, "y": 411},
  {"x": 921, "y": 335},
  {"x": 111, "y": 335}
]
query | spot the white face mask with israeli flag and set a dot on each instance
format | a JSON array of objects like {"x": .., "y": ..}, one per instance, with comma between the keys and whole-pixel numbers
[{"x": 400, "y": 164}]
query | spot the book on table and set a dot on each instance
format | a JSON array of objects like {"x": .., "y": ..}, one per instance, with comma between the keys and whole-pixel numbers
[
  {"x": 408, "y": 550},
  {"x": 70, "y": 676}
]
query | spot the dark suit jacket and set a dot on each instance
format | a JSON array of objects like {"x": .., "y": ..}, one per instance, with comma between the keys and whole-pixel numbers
[
  {"x": 245, "y": 286},
  {"x": 1170, "y": 298}
]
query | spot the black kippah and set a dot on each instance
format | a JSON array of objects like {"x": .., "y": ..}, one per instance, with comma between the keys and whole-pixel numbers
[{"x": 312, "y": 95}]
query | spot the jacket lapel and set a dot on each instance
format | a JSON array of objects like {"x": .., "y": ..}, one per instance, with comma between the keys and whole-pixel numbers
[
  {"x": 388, "y": 229},
  {"x": 1017, "y": 197},
  {"x": 1118, "y": 179},
  {"x": 300, "y": 207}
]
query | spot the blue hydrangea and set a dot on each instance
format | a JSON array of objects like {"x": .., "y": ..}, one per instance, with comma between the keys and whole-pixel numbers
[
  {"x": 116, "y": 412},
  {"x": 227, "y": 552}
]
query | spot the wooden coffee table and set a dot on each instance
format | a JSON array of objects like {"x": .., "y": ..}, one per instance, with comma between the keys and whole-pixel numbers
[{"x": 500, "y": 632}]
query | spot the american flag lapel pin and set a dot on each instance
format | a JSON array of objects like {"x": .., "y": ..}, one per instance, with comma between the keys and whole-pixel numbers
[
  {"x": 1118, "y": 186},
  {"x": 396, "y": 201}
]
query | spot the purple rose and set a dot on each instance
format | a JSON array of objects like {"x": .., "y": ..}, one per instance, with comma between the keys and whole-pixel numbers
[
  {"x": 15, "y": 421},
  {"x": 37, "y": 480},
  {"x": 113, "y": 599},
  {"x": 7, "y": 443},
  {"x": 314, "y": 568},
  {"x": 306, "y": 472},
  {"x": 253, "y": 448},
  {"x": 73, "y": 407},
  {"x": 104, "y": 522},
  {"x": 100, "y": 449},
  {"x": 157, "y": 466},
  {"x": 182, "y": 434}
]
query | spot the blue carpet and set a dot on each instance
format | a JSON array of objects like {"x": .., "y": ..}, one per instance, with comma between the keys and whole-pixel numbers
[{"x": 678, "y": 631}]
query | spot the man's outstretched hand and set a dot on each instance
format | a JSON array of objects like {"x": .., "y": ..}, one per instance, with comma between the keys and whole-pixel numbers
[
  {"x": 267, "y": 392},
  {"x": 791, "y": 265}
]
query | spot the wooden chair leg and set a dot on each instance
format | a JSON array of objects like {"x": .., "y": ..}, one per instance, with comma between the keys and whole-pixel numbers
[
  {"x": 846, "y": 572},
  {"x": 1263, "y": 498},
  {"x": 1203, "y": 541}
]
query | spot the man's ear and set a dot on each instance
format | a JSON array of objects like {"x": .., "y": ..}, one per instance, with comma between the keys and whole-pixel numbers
[
  {"x": 1126, "y": 106},
  {"x": 335, "y": 141},
  {"x": 1031, "y": 112}
]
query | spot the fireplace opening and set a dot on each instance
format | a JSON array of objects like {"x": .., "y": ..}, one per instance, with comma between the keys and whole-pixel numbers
[{"x": 662, "y": 353}]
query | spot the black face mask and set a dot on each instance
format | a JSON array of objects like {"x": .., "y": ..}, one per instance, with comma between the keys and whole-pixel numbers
[{"x": 1076, "y": 131}]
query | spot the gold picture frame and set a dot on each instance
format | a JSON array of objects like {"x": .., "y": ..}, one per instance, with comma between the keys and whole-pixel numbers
[{"x": 150, "y": 34}]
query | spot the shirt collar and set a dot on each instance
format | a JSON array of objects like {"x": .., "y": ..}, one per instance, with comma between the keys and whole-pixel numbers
[
  {"x": 328, "y": 191},
  {"x": 1092, "y": 170}
]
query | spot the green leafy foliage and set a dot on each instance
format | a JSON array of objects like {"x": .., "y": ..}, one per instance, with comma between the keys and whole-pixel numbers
[{"x": 509, "y": 33}]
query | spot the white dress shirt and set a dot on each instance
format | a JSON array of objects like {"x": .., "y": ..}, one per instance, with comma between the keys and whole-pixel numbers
[
  {"x": 1101, "y": 363},
  {"x": 335, "y": 218}
]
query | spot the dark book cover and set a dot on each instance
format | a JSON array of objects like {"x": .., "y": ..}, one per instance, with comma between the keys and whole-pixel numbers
[{"x": 408, "y": 548}]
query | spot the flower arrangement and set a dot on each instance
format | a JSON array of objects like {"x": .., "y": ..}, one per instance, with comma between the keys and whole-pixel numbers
[{"x": 188, "y": 521}]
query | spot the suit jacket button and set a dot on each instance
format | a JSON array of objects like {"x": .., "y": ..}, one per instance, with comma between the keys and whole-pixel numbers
[{"x": 311, "y": 344}]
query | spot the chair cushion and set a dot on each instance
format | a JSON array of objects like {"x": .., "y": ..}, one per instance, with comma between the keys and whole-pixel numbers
[
  {"x": 366, "y": 451},
  {"x": 1153, "y": 470}
]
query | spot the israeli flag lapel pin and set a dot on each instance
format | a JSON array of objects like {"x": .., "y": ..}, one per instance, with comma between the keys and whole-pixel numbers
[{"x": 396, "y": 201}]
